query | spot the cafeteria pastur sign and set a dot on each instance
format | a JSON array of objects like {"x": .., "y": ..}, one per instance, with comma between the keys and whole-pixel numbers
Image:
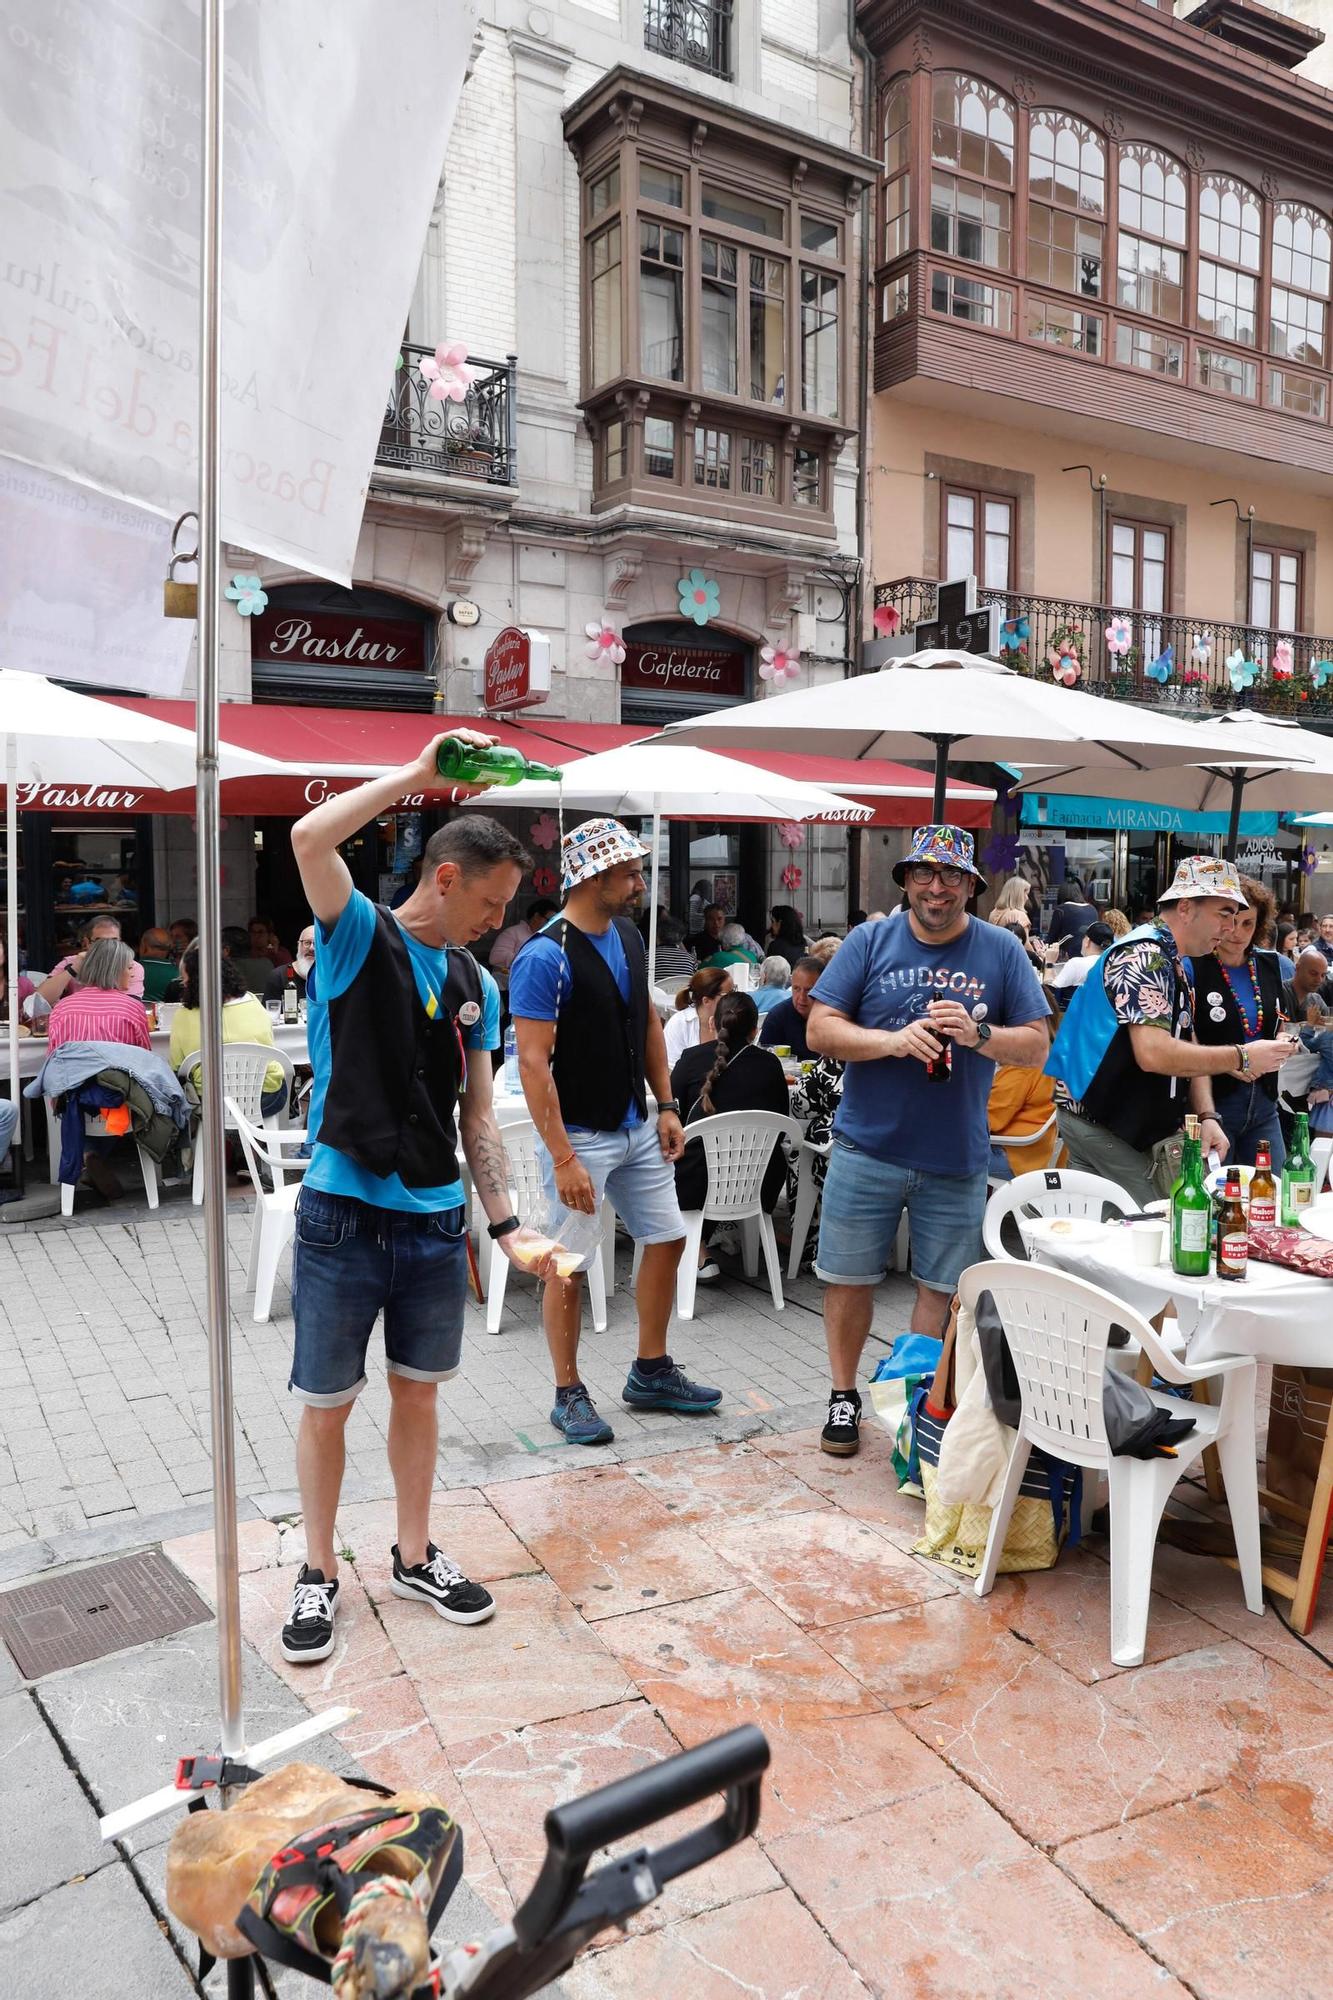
[{"x": 76, "y": 798}]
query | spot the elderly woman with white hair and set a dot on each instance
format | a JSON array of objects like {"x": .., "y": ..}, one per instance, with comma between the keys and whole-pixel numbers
[
  {"x": 772, "y": 984},
  {"x": 103, "y": 1009},
  {"x": 732, "y": 949}
]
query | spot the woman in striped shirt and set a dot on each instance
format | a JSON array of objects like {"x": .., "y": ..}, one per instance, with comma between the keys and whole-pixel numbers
[{"x": 103, "y": 1009}]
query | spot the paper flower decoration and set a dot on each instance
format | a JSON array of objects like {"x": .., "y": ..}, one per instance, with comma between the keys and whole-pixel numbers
[
  {"x": 1000, "y": 854},
  {"x": 1201, "y": 649},
  {"x": 886, "y": 620},
  {"x": 543, "y": 881},
  {"x": 791, "y": 834},
  {"x": 247, "y": 593},
  {"x": 790, "y": 877},
  {"x": 778, "y": 664},
  {"x": 1321, "y": 671},
  {"x": 448, "y": 374},
  {"x": 1284, "y": 661},
  {"x": 700, "y": 596},
  {"x": 604, "y": 647},
  {"x": 1242, "y": 673},
  {"x": 1309, "y": 861},
  {"x": 1014, "y": 633},
  {"x": 543, "y": 831},
  {"x": 1119, "y": 636},
  {"x": 1066, "y": 668},
  {"x": 1162, "y": 667}
]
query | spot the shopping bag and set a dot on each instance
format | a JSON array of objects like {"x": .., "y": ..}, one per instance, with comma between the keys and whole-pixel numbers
[{"x": 897, "y": 1377}]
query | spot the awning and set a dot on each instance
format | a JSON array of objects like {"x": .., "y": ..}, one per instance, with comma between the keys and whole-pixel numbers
[
  {"x": 1072, "y": 810},
  {"x": 326, "y": 747}
]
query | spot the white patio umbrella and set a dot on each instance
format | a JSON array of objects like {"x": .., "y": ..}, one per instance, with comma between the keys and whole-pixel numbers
[
  {"x": 1295, "y": 774},
  {"x": 50, "y": 736},
  {"x": 960, "y": 708},
  {"x": 672, "y": 781}
]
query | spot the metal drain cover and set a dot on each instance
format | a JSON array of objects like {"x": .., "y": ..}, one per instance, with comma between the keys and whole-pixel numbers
[{"x": 62, "y": 1621}]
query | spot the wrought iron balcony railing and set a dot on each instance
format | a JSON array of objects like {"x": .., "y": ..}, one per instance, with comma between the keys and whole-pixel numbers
[
  {"x": 697, "y": 32},
  {"x": 1159, "y": 658},
  {"x": 474, "y": 439}
]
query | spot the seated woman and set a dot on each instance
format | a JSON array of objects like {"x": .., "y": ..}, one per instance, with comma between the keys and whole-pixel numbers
[
  {"x": 692, "y": 1021},
  {"x": 103, "y": 1009},
  {"x": 244, "y": 1019},
  {"x": 773, "y": 983},
  {"x": 732, "y": 949},
  {"x": 729, "y": 1074}
]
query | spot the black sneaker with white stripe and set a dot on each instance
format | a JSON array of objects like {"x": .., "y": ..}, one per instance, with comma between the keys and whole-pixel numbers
[
  {"x": 308, "y": 1634},
  {"x": 442, "y": 1584},
  {"x": 841, "y": 1435}
]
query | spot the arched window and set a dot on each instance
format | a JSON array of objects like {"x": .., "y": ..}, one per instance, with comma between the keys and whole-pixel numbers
[
  {"x": 972, "y": 171},
  {"x": 1066, "y": 203},
  {"x": 897, "y": 168},
  {"x": 1230, "y": 247},
  {"x": 1298, "y": 317},
  {"x": 1153, "y": 232}
]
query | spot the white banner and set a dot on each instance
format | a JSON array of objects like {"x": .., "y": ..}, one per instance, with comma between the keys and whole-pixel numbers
[
  {"x": 81, "y": 587},
  {"x": 336, "y": 119}
]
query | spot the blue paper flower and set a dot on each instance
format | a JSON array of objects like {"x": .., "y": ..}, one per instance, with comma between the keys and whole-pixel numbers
[
  {"x": 247, "y": 593},
  {"x": 1242, "y": 673},
  {"x": 1013, "y": 632},
  {"x": 700, "y": 596},
  {"x": 1161, "y": 668},
  {"x": 1321, "y": 671}
]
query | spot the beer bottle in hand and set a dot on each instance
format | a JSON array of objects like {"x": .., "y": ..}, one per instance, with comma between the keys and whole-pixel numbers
[
  {"x": 1233, "y": 1236},
  {"x": 940, "y": 1067},
  {"x": 1263, "y": 1188}
]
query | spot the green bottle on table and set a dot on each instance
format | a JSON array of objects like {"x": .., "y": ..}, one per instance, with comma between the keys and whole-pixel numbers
[
  {"x": 464, "y": 764},
  {"x": 1191, "y": 1211},
  {"x": 1298, "y": 1174}
]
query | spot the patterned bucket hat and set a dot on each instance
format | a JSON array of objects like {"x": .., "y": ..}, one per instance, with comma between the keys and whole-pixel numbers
[
  {"x": 1204, "y": 875},
  {"x": 594, "y": 847},
  {"x": 940, "y": 847}
]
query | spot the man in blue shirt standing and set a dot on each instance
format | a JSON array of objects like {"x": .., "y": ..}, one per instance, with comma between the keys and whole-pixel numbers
[
  {"x": 920, "y": 1010},
  {"x": 402, "y": 1077},
  {"x": 590, "y": 1046}
]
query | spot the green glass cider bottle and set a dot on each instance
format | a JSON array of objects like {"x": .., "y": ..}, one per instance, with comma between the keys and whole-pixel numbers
[
  {"x": 1191, "y": 1211},
  {"x": 1298, "y": 1176},
  {"x": 464, "y": 764}
]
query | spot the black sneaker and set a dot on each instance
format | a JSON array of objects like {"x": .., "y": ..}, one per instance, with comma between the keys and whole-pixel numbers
[
  {"x": 308, "y": 1634},
  {"x": 442, "y": 1584},
  {"x": 842, "y": 1433}
]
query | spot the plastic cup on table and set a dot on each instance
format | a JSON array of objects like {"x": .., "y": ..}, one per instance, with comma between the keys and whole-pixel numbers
[
  {"x": 1147, "y": 1240},
  {"x": 782, "y": 1050}
]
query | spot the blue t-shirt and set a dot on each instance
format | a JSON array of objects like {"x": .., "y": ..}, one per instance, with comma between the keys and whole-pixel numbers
[
  {"x": 540, "y": 978},
  {"x": 340, "y": 953},
  {"x": 882, "y": 976}
]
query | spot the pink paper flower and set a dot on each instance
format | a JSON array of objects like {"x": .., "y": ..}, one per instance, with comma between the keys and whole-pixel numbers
[
  {"x": 604, "y": 647},
  {"x": 1284, "y": 661},
  {"x": 448, "y": 374},
  {"x": 791, "y": 834},
  {"x": 790, "y": 877},
  {"x": 886, "y": 620},
  {"x": 1065, "y": 668},
  {"x": 543, "y": 831},
  {"x": 778, "y": 664},
  {"x": 1119, "y": 636}
]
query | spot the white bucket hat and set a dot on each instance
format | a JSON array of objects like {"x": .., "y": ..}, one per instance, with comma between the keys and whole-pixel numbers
[
  {"x": 594, "y": 847},
  {"x": 1204, "y": 875}
]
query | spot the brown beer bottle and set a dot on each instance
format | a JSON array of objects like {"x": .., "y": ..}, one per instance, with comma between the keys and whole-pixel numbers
[
  {"x": 1263, "y": 1188},
  {"x": 1233, "y": 1236}
]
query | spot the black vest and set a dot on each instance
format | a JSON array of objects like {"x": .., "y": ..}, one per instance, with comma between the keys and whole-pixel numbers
[
  {"x": 1212, "y": 996},
  {"x": 599, "y": 1041},
  {"x": 396, "y": 1073}
]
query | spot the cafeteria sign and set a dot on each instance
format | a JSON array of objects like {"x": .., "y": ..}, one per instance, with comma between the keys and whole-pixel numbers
[
  {"x": 516, "y": 672},
  {"x": 692, "y": 670}
]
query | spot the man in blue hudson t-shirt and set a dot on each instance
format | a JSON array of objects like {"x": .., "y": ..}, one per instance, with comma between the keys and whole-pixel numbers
[{"x": 896, "y": 997}]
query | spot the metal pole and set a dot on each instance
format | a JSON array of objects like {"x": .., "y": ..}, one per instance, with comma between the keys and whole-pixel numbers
[
  {"x": 943, "y": 744},
  {"x": 12, "y": 922},
  {"x": 232, "y": 1735},
  {"x": 652, "y": 914},
  {"x": 1233, "y": 824}
]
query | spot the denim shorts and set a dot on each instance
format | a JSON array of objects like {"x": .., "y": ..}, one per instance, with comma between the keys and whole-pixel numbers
[
  {"x": 864, "y": 1199},
  {"x": 627, "y": 1167},
  {"x": 350, "y": 1262}
]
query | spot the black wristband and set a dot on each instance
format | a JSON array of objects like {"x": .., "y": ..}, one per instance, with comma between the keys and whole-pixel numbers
[
  {"x": 669, "y": 1104},
  {"x": 505, "y": 1228}
]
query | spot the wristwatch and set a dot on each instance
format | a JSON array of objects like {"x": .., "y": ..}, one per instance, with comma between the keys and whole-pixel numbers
[
  {"x": 505, "y": 1228},
  {"x": 983, "y": 1033},
  {"x": 668, "y": 1104}
]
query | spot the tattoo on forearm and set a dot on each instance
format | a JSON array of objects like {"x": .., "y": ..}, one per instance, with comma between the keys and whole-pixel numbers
[{"x": 489, "y": 1162}]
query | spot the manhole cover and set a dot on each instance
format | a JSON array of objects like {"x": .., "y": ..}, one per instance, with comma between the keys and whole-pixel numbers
[{"x": 64, "y": 1620}]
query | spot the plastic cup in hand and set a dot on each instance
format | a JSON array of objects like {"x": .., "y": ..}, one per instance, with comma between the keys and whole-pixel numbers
[{"x": 577, "y": 1239}]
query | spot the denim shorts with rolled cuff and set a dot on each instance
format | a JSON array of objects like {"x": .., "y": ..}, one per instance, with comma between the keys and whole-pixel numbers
[
  {"x": 628, "y": 1168},
  {"x": 350, "y": 1262},
  {"x": 864, "y": 1199}
]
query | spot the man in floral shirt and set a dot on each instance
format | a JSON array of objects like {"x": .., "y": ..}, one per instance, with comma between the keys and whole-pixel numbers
[{"x": 1126, "y": 1044}]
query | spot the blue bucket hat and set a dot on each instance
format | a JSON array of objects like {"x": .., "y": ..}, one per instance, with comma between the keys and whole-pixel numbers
[{"x": 940, "y": 847}]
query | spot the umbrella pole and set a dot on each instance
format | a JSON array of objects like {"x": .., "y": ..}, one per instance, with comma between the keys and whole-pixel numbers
[
  {"x": 943, "y": 745},
  {"x": 12, "y": 924},
  {"x": 652, "y": 914},
  {"x": 1233, "y": 824},
  {"x": 240, "y": 1975}
]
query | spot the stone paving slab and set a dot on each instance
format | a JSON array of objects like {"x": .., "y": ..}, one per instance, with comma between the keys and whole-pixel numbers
[
  {"x": 99, "y": 1939},
  {"x": 48, "y": 1829}
]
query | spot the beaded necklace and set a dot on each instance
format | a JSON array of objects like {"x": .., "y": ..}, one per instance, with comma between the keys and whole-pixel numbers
[{"x": 1252, "y": 1034}]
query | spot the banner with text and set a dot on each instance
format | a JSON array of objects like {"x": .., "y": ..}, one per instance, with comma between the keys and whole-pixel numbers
[{"x": 335, "y": 126}]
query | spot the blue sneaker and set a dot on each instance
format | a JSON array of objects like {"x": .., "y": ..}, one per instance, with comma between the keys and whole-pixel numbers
[
  {"x": 575, "y": 1417},
  {"x": 669, "y": 1389}
]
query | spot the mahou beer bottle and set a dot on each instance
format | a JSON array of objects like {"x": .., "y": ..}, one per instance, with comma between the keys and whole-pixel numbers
[
  {"x": 1263, "y": 1188},
  {"x": 465, "y": 764},
  {"x": 1233, "y": 1235}
]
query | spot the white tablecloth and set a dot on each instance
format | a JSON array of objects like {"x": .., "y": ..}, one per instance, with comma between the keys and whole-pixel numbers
[
  {"x": 290, "y": 1037},
  {"x": 1273, "y": 1314}
]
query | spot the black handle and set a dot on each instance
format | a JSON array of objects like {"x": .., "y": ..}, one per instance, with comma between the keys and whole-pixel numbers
[{"x": 733, "y": 1764}]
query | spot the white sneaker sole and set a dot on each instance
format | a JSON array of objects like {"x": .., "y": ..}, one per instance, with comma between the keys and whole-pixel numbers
[
  {"x": 300, "y": 1656},
  {"x": 442, "y": 1610}
]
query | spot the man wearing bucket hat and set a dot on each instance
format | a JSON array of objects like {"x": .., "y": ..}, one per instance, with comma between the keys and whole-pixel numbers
[
  {"x": 1126, "y": 1047},
  {"x": 590, "y": 1046},
  {"x": 920, "y": 1010}
]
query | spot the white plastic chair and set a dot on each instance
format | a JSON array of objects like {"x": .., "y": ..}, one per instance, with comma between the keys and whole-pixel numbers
[
  {"x": 94, "y": 1125},
  {"x": 528, "y": 1200},
  {"x": 275, "y": 1208},
  {"x": 1044, "y": 1143},
  {"x": 244, "y": 1066},
  {"x": 1057, "y": 1328},
  {"x": 1053, "y": 1191},
  {"x": 738, "y": 1146}
]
